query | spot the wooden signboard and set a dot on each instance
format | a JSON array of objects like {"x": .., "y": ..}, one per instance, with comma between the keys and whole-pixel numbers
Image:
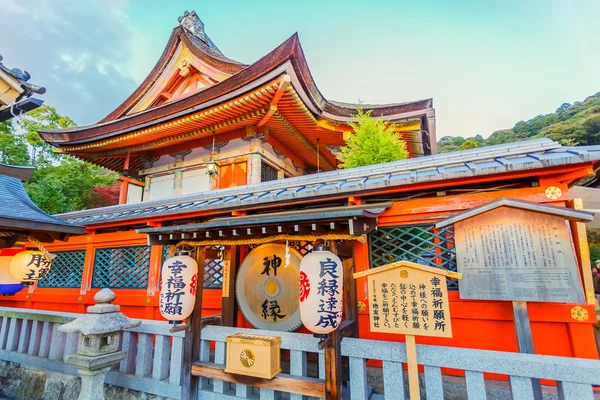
[
  {"x": 410, "y": 299},
  {"x": 226, "y": 274},
  {"x": 518, "y": 255}
]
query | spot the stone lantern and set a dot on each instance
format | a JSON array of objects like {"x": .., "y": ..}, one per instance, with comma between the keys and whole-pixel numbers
[{"x": 98, "y": 350}]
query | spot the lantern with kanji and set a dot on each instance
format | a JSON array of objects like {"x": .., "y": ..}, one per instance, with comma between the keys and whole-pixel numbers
[
  {"x": 179, "y": 280},
  {"x": 8, "y": 284},
  {"x": 28, "y": 267},
  {"x": 321, "y": 287}
]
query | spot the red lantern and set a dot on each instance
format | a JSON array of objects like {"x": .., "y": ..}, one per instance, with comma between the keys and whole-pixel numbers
[
  {"x": 179, "y": 280},
  {"x": 321, "y": 287}
]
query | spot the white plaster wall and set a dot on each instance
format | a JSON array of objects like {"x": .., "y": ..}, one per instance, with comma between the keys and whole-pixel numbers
[
  {"x": 195, "y": 180},
  {"x": 161, "y": 187},
  {"x": 134, "y": 194}
]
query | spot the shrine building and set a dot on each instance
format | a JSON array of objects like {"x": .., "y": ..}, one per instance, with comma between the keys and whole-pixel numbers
[{"x": 228, "y": 158}]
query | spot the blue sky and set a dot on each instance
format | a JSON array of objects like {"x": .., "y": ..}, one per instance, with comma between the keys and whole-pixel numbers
[{"x": 486, "y": 64}]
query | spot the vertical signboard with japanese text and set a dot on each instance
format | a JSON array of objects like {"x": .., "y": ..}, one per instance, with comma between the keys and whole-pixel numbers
[{"x": 409, "y": 301}]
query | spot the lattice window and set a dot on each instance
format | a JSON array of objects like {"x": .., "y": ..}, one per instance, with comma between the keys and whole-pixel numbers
[
  {"x": 66, "y": 271},
  {"x": 122, "y": 267},
  {"x": 267, "y": 173},
  {"x": 213, "y": 270},
  {"x": 421, "y": 244}
]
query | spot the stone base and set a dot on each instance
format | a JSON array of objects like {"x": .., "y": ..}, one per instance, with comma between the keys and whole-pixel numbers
[{"x": 17, "y": 382}]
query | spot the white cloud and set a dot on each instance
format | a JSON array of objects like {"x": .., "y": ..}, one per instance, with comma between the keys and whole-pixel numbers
[{"x": 80, "y": 51}]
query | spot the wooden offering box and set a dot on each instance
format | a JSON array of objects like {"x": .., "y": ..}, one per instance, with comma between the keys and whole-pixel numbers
[{"x": 253, "y": 355}]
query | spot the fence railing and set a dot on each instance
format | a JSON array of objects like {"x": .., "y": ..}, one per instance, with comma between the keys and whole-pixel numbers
[
  {"x": 574, "y": 377},
  {"x": 154, "y": 355},
  {"x": 296, "y": 377},
  {"x": 154, "y": 363}
]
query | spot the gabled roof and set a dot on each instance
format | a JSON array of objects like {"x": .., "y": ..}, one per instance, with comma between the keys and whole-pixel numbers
[
  {"x": 566, "y": 213},
  {"x": 521, "y": 156},
  {"x": 288, "y": 58},
  {"x": 197, "y": 42}
]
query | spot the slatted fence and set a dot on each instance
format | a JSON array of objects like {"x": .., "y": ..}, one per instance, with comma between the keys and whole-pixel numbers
[
  {"x": 574, "y": 377},
  {"x": 154, "y": 355},
  {"x": 154, "y": 363}
]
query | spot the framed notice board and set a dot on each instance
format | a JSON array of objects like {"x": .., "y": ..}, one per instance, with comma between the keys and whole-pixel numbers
[{"x": 519, "y": 255}]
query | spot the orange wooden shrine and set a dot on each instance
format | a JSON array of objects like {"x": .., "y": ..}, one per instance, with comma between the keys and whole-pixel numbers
[{"x": 208, "y": 142}]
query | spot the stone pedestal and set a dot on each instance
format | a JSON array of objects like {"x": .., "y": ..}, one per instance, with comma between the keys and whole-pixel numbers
[
  {"x": 92, "y": 371},
  {"x": 98, "y": 349}
]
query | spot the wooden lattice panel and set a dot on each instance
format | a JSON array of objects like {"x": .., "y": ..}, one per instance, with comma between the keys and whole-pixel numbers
[
  {"x": 420, "y": 244},
  {"x": 122, "y": 267},
  {"x": 66, "y": 271}
]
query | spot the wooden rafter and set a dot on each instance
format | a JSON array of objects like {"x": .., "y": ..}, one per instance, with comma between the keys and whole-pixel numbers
[{"x": 283, "y": 85}]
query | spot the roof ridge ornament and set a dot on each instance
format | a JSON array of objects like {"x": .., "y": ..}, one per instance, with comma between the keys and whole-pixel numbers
[{"x": 193, "y": 24}]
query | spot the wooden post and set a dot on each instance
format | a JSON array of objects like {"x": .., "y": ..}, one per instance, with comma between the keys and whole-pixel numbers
[
  {"x": 333, "y": 367},
  {"x": 525, "y": 340},
  {"x": 191, "y": 347},
  {"x": 228, "y": 305},
  {"x": 413, "y": 368},
  {"x": 350, "y": 305},
  {"x": 583, "y": 252},
  {"x": 124, "y": 183}
]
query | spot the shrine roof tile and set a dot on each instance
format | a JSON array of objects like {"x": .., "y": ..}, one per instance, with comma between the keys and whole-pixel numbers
[
  {"x": 18, "y": 213},
  {"x": 520, "y": 156}
]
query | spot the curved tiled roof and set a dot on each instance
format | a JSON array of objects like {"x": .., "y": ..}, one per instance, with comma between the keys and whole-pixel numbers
[
  {"x": 289, "y": 51},
  {"x": 520, "y": 156},
  {"x": 197, "y": 47},
  {"x": 19, "y": 213}
]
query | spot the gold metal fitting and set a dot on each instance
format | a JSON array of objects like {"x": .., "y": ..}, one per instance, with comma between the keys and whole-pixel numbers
[
  {"x": 553, "y": 193},
  {"x": 579, "y": 314},
  {"x": 361, "y": 306}
]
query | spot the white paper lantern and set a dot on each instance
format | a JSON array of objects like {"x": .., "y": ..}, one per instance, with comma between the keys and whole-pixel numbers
[
  {"x": 179, "y": 280},
  {"x": 321, "y": 289},
  {"x": 29, "y": 266}
]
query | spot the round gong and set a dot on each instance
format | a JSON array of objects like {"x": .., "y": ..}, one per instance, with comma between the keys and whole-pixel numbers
[{"x": 266, "y": 291}]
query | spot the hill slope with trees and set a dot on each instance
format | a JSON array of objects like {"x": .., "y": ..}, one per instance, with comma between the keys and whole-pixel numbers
[{"x": 571, "y": 125}]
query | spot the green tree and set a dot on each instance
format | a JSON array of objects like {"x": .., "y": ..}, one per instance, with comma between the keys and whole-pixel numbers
[
  {"x": 59, "y": 183},
  {"x": 469, "y": 144},
  {"x": 67, "y": 186},
  {"x": 42, "y": 119},
  {"x": 13, "y": 148},
  {"x": 372, "y": 142}
]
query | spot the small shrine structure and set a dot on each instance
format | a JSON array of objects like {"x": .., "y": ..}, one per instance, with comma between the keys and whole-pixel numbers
[{"x": 225, "y": 158}]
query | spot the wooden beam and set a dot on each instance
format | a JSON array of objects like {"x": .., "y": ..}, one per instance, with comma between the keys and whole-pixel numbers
[
  {"x": 283, "y": 85},
  {"x": 287, "y": 152},
  {"x": 283, "y": 382},
  {"x": 350, "y": 304},
  {"x": 583, "y": 253},
  {"x": 124, "y": 183},
  {"x": 333, "y": 367},
  {"x": 333, "y": 359},
  {"x": 228, "y": 303},
  {"x": 191, "y": 354}
]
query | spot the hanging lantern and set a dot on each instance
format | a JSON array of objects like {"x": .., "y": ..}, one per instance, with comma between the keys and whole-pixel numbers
[
  {"x": 321, "y": 287},
  {"x": 8, "y": 284},
  {"x": 179, "y": 280},
  {"x": 28, "y": 266}
]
